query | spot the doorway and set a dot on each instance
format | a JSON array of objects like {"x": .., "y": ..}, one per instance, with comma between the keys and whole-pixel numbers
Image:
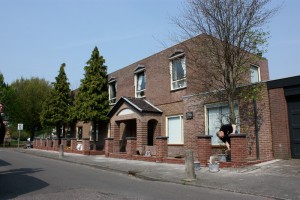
[{"x": 293, "y": 103}]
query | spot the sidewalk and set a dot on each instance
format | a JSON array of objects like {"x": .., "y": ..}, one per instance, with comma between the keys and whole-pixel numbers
[{"x": 278, "y": 179}]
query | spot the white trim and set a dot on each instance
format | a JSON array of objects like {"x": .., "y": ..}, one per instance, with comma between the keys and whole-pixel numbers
[
  {"x": 171, "y": 72},
  {"x": 152, "y": 105},
  {"x": 181, "y": 128},
  {"x": 136, "y": 83},
  {"x": 176, "y": 56},
  {"x": 125, "y": 111},
  {"x": 133, "y": 105},
  {"x": 258, "y": 72}
]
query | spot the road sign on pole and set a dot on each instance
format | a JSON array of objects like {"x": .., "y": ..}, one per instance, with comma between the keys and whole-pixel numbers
[{"x": 20, "y": 128}]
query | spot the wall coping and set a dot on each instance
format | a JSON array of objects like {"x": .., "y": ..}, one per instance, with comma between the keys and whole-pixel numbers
[
  {"x": 162, "y": 137},
  {"x": 130, "y": 138},
  {"x": 237, "y": 136},
  {"x": 204, "y": 136}
]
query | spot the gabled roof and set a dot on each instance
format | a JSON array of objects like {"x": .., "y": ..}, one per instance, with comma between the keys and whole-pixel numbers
[{"x": 140, "y": 105}]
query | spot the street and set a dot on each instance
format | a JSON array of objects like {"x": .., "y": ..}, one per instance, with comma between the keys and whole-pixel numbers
[{"x": 24, "y": 176}]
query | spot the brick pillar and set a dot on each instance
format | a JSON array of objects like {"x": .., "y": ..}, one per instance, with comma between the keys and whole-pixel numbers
[
  {"x": 204, "y": 148},
  {"x": 161, "y": 148},
  {"x": 238, "y": 148},
  {"x": 35, "y": 143},
  {"x": 109, "y": 146},
  {"x": 131, "y": 146},
  {"x": 41, "y": 143},
  {"x": 73, "y": 144},
  {"x": 44, "y": 142},
  {"x": 55, "y": 145},
  {"x": 86, "y": 146},
  {"x": 64, "y": 142},
  {"x": 115, "y": 133},
  {"x": 141, "y": 135},
  {"x": 48, "y": 144}
]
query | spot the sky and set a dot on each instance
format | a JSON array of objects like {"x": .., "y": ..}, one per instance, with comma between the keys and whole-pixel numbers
[{"x": 36, "y": 36}]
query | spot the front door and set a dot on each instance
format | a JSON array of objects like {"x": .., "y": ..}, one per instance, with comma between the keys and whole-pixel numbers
[{"x": 294, "y": 124}]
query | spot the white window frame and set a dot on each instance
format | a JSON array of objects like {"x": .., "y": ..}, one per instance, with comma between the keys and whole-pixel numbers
[
  {"x": 139, "y": 93},
  {"x": 258, "y": 73},
  {"x": 180, "y": 56},
  {"x": 219, "y": 105},
  {"x": 181, "y": 142},
  {"x": 112, "y": 100}
]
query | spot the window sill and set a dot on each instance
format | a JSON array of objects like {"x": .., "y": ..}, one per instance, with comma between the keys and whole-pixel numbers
[{"x": 175, "y": 90}]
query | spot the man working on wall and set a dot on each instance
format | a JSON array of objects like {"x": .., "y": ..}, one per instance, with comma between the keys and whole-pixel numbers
[
  {"x": 2, "y": 126},
  {"x": 224, "y": 133}
]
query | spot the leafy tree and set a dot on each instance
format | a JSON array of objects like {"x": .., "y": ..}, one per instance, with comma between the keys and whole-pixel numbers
[
  {"x": 91, "y": 101},
  {"x": 27, "y": 105},
  {"x": 234, "y": 36},
  {"x": 56, "y": 108}
]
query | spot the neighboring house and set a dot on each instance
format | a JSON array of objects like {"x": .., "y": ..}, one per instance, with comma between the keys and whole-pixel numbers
[{"x": 285, "y": 116}]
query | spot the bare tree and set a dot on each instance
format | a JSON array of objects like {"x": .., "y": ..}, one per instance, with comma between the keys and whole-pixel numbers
[{"x": 232, "y": 38}]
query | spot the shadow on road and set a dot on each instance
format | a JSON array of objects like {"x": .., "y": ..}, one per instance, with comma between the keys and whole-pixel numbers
[
  {"x": 3, "y": 163},
  {"x": 16, "y": 182}
]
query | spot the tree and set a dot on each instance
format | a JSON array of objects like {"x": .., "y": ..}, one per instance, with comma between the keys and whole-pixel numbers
[
  {"x": 27, "y": 105},
  {"x": 56, "y": 108},
  {"x": 91, "y": 101},
  {"x": 234, "y": 37}
]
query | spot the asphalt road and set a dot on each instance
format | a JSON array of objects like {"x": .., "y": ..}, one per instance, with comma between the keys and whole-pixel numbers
[{"x": 24, "y": 176}]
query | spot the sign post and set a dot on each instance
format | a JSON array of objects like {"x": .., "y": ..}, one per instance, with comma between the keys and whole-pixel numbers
[{"x": 20, "y": 128}]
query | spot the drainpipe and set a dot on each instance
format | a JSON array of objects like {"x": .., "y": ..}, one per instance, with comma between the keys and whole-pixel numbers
[{"x": 256, "y": 128}]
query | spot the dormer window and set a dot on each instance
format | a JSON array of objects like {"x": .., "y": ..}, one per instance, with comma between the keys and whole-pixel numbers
[
  {"x": 140, "y": 82},
  {"x": 112, "y": 92},
  {"x": 255, "y": 74},
  {"x": 178, "y": 70}
]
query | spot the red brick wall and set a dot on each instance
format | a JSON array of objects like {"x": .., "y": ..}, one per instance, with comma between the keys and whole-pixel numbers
[
  {"x": 265, "y": 131},
  {"x": 131, "y": 146},
  {"x": 161, "y": 148},
  {"x": 238, "y": 148},
  {"x": 280, "y": 126},
  {"x": 204, "y": 149},
  {"x": 109, "y": 146}
]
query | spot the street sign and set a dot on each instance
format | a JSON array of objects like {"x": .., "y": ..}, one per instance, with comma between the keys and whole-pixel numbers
[{"x": 20, "y": 127}]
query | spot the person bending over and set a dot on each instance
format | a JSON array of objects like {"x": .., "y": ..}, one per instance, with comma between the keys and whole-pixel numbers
[{"x": 224, "y": 133}]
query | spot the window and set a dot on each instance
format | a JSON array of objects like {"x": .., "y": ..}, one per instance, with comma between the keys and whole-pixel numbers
[
  {"x": 178, "y": 71},
  {"x": 79, "y": 133},
  {"x": 175, "y": 129},
  {"x": 140, "y": 84},
  {"x": 216, "y": 116},
  {"x": 112, "y": 92},
  {"x": 140, "y": 81},
  {"x": 255, "y": 75}
]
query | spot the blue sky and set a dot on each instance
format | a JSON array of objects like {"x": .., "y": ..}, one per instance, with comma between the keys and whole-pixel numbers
[{"x": 36, "y": 36}]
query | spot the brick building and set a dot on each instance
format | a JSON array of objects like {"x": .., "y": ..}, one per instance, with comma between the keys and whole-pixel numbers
[
  {"x": 285, "y": 116},
  {"x": 154, "y": 103},
  {"x": 183, "y": 111}
]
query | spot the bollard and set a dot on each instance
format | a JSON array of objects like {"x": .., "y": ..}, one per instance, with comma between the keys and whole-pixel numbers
[
  {"x": 189, "y": 166},
  {"x": 61, "y": 151}
]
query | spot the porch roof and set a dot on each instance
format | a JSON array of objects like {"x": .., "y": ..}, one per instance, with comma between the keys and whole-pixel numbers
[{"x": 139, "y": 104}]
